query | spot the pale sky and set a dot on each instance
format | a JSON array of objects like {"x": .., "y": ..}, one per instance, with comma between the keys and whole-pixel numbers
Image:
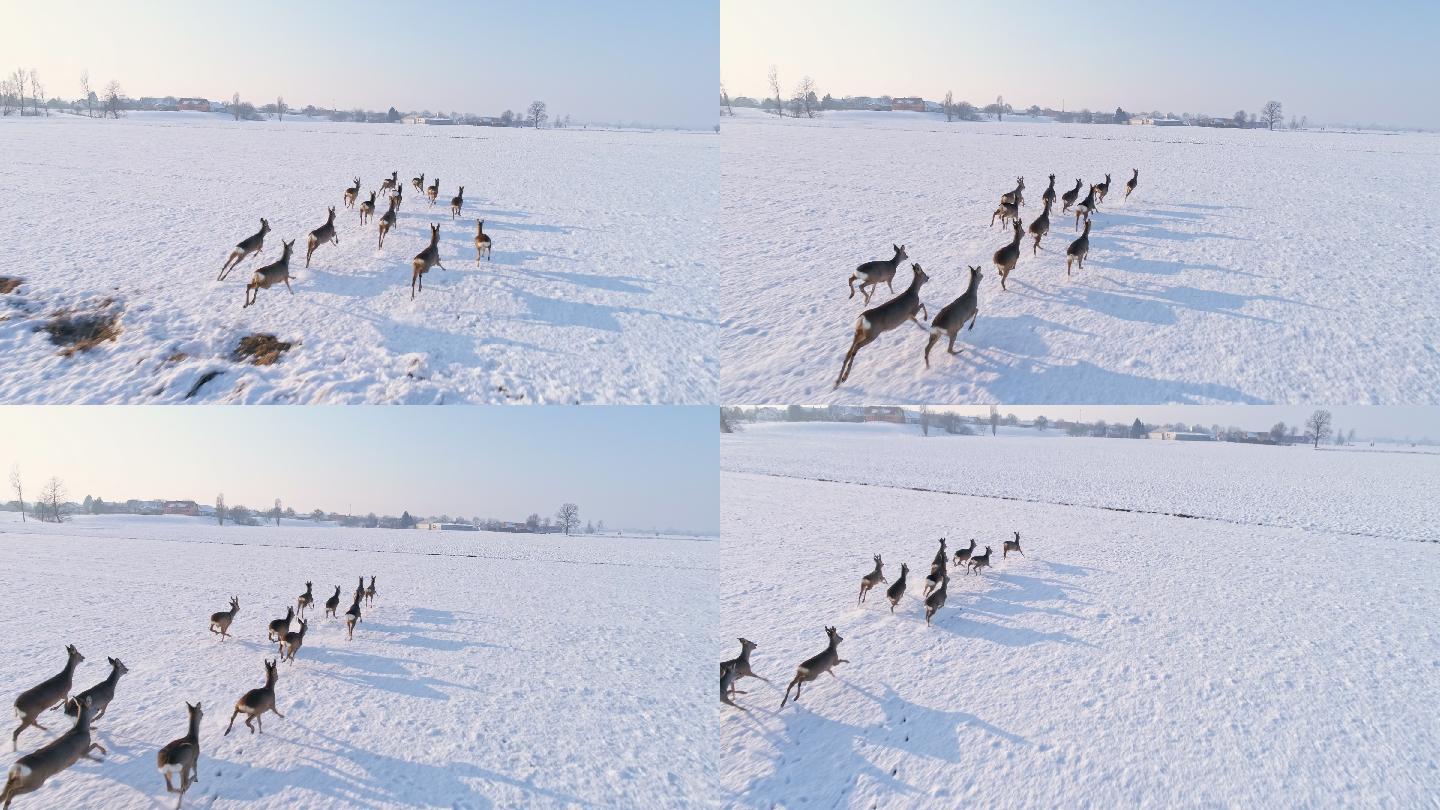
[
  {"x": 1336, "y": 62},
  {"x": 633, "y": 467},
  {"x": 643, "y": 61}
]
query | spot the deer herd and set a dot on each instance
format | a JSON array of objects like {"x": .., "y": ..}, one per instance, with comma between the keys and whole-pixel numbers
[
  {"x": 178, "y": 759},
  {"x": 279, "y": 272},
  {"x": 876, "y": 321},
  {"x": 933, "y": 597}
]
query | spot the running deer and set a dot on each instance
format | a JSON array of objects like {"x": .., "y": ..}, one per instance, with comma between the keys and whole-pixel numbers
[
  {"x": 397, "y": 197},
  {"x": 955, "y": 314},
  {"x": 433, "y": 191},
  {"x": 46, "y": 695},
  {"x": 1012, "y": 545},
  {"x": 324, "y": 233},
  {"x": 872, "y": 273},
  {"x": 360, "y": 589},
  {"x": 352, "y": 193},
  {"x": 1085, "y": 207},
  {"x": 390, "y": 183},
  {"x": 937, "y": 573},
  {"x": 939, "y": 558},
  {"x": 256, "y": 702},
  {"x": 1007, "y": 212},
  {"x": 370, "y": 592},
  {"x": 279, "y": 627},
  {"x": 871, "y": 579},
  {"x": 482, "y": 241},
  {"x": 30, "y": 771},
  {"x": 367, "y": 209},
  {"x": 1006, "y": 257},
  {"x": 292, "y": 642},
  {"x": 936, "y": 599},
  {"x": 876, "y": 321},
  {"x": 1103, "y": 188},
  {"x": 1129, "y": 184},
  {"x": 979, "y": 561},
  {"x": 100, "y": 694},
  {"x": 424, "y": 260},
  {"x": 962, "y": 555},
  {"x": 270, "y": 275},
  {"x": 1049, "y": 195},
  {"x": 220, "y": 622},
  {"x": 1016, "y": 197},
  {"x": 180, "y": 758},
  {"x": 1069, "y": 197},
  {"x": 457, "y": 202},
  {"x": 247, "y": 246},
  {"x": 333, "y": 603},
  {"x": 1039, "y": 227},
  {"x": 352, "y": 615},
  {"x": 728, "y": 676},
  {"x": 816, "y": 665},
  {"x": 895, "y": 592},
  {"x": 305, "y": 599},
  {"x": 418, "y": 183},
  {"x": 1078, "y": 250},
  {"x": 387, "y": 221},
  {"x": 741, "y": 663}
]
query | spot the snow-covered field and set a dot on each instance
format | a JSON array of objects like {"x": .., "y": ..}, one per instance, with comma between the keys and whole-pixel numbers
[
  {"x": 601, "y": 288},
  {"x": 1249, "y": 266},
  {"x": 493, "y": 670},
  {"x": 1129, "y": 659}
]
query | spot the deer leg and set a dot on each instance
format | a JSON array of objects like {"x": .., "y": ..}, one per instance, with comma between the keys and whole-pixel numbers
[
  {"x": 890, "y": 285},
  {"x": 972, "y": 320},
  {"x": 277, "y": 712},
  {"x": 92, "y": 747},
  {"x": 170, "y": 788},
  {"x": 934, "y": 338},
  {"x": 232, "y": 722},
  {"x": 288, "y": 287},
  {"x": 951, "y": 348},
  {"x": 852, "y": 285}
]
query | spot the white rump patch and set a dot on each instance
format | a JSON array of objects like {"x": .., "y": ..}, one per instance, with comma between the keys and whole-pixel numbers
[
  {"x": 865, "y": 324},
  {"x": 171, "y": 769},
  {"x": 18, "y": 770}
]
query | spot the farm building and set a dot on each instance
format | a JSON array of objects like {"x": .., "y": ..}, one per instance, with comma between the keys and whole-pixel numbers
[
  {"x": 181, "y": 508},
  {"x": 446, "y": 527},
  {"x": 910, "y": 103},
  {"x": 878, "y": 413},
  {"x": 1178, "y": 436},
  {"x": 193, "y": 104}
]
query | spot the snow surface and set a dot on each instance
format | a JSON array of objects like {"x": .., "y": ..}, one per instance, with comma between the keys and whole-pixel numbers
[
  {"x": 1128, "y": 659},
  {"x": 1249, "y": 266},
  {"x": 493, "y": 670},
  {"x": 601, "y": 288}
]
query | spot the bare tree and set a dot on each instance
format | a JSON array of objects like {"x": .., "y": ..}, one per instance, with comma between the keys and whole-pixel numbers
[
  {"x": 1278, "y": 432},
  {"x": 1317, "y": 427},
  {"x": 220, "y": 508},
  {"x": 568, "y": 517},
  {"x": 949, "y": 106},
  {"x": 51, "y": 497},
  {"x": 535, "y": 114},
  {"x": 280, "y": 107},
  {"x": 89, "y": 94},
  {"x": 275, "y": 513},
  {"x": 924, "y": 420},
  {"x": 1272, "y": 114},
  {"x": 999, "y": 108},
  {"x": 806, "y": 101},
  {"x": 37, "y": 92},
  {"x": 775, "y": 90},
  {"x": 17, "y": 86},
  {"x": 725, "y": 100},
  {"x": 111, "y": 99},
  {"x": 235, "y": 105},
  {"x": 19, "y": 487}
]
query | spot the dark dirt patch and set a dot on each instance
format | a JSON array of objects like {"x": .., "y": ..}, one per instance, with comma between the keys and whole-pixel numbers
[
  {"x": 83, "y": 331},
  {"x": 259, "y": 350},
  {"x": 9, "y": 283},
  {"x": 177, "y": 357},
  {"x": 200, "y": 383}
]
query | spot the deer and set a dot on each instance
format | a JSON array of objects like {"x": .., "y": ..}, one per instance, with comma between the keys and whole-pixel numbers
[
  {"x": 1085, "y": 207},
  {"x": 351, "y": 193},
  {"x": 352, "y": 615},
  {"x": 1007, "y": 212},
  {"x": 292, "y": 642},
  {"x": 1103, "y": 188},
  {"x": 1129, "y": 184},
  {"x": 246, "y": 247},
  {"x": 367, "y": 209},
  {"x": 1006, "y": 257},
  {"x": 333, "y": 603},
  {"x": 728, "y": 676},
  {"x": 962, "y": 555},
  {"x": 47, "y": 694},
  {"x": 482, "y": 241},
  {"x": 1016, "y": 197},
  {"x": 953, "y": 315},
  {"x": 1069, "y": 197},
  {"x": 279, "y": 627},
  {"x": 872, "y": 273},
  {"x": 390, "y": 183},
  {"x": 270, "y": 275},
  {"x": 936, "y": 599},
  {"x": 937, "y": 573},
  {"x": 424, "y": 260},
  {"x": 1049, "y": 195},
  {"x": 1012, "y": 545},
  {"x": 387, "y": 221},
  {"x": 397, "y": 197},
  {"x": 939, "y": 558},
  {"x": 257, "y": 701},
  {"x": 741, "y": 663},
  {"x": 220, "y": 621},
  {"x": 871, "y": 579},
  {"x": 816, "y": 665},
  {"x": 370, "y": 592},
  {"x": 878, "y": 320},
  {"x": 895, "y": 592},
  {"x": 457, "y": 202},
  {"x": 360, "y": 589},
  {"x": 1039, "y": 227},
  {"x": 418, "y": 183},
  {"x": 180, "y": 758},
  {"x": 30, "y": 771},
  {"x": 979, "y": 562},
  {"x": 1078, "y": 250},
  {"x": 305, "y": 599},
  {"x": 324, "y": 233},
  {"x": 433, "y": 191},
  {"x": 100, "y": 694}
]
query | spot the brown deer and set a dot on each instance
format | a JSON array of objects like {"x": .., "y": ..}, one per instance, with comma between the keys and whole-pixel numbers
[
  {"x": 279, "y": 627},
  {"x": 352, "y": 615},
  {"x": 370, "y": 593},
  {"x": 936, "y": 599},
  {"x": 1069, "y": 197},
  {"x": 100, "y": 694},
  {"x": 418, "y": 183},
  {"x": 457, "y": 202},
  {"x": 397, "y": 197},
  {"x": 741, "y": 663},
  {"x": 878, "y": 320},
  {"x": 1103, "y": 188},
  {"x": 367, "y": 209},
  {"x": 180, "y": 758},
  {"x": 305, "y": 600},
  {"x": 387, "y": 221},
  {"x": 1039, "y": 227},
  {"x": 873, "y": 272},
  {"x": 962, "y": 555},
  {"x": 1006, "y": 257},
  {"x": 979, "y": 562},
  {"x": 1007, "y": 212},
  {"x": 482, "y": 241},
  {"x": 351, "y": 193},
  {"x": 390, "y": 183},
  {"x": 729, "y": 674},
  {"x": 333, "y": 603},
  {"x": 949, "y": 320},
  {"x": 897, "y": 591},
  {"x": 871, "y": 579},
  {"x": 30, "y": 771},
  {"x": 324, "y": 233},
  {"x": 816, "y": 665},
  {"x": 424, "y": 260},
  {"x": 1012, "y": 545},
  {"x": 1016, "y": 197},
  {"x": 1085, "y": 207},
  {"x": 1078, "y": 250},
  {"x": 256, "y": 702},
  {"x": 270, "y": 275},
  {"x": 247, "y": 246},
  {"x": 292, "y": 642},
  {"x": 433, "y": 191},
  {"x": 1129, "y": 184},
  {"x": 937, "y": 573},
  {"x": 220, "y": 622},
  {"x": 1049, "y": 195}
]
